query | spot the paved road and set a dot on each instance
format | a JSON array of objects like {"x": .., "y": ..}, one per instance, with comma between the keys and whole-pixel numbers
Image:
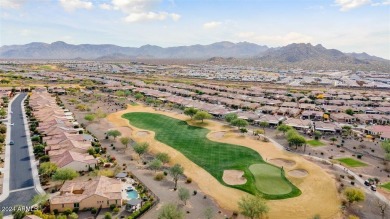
[{"x": 21, "y": 180}]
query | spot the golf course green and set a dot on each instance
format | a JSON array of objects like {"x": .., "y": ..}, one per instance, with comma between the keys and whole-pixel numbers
[{"x": 215, "y": 157}]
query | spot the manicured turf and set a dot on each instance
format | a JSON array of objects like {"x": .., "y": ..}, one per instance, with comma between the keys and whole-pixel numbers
[
  {"x": 386, "y": 185},
  {"x": 351, "y": 162},
  {"x": 315, "y": 143},
  {"x": 268, "y": 180},
  {"x": 216, "y": 157}
]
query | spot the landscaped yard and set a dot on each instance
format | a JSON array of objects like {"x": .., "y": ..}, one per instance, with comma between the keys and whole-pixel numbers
[
  {"x": 216, "y": 157},
  {"x": 315, "y": 143},
  {"x": 351, "y": 162},
  {"x": 386, "y": 186}
]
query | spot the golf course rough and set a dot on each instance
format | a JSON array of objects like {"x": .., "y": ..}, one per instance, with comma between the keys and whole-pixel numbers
[{"x": 215, "y": 157}]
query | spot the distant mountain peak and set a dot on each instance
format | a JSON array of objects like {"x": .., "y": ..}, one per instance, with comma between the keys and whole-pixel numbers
[{"x": 59, "y": 43}]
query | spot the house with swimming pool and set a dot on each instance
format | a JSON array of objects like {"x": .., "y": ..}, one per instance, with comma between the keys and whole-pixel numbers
[{"x": 99, "y": 192}]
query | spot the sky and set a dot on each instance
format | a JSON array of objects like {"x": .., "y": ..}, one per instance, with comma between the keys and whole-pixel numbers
[{"x": 347, "y": 25}]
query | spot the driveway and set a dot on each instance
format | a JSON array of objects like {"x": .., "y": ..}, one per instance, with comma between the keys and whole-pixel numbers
[{"x": 21, "y": 183}]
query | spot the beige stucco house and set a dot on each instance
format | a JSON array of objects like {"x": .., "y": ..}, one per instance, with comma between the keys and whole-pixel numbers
[{"x": 98, "y": 192}]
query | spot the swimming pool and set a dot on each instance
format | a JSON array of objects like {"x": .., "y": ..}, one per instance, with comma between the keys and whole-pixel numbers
[{"x": 132, "y": 194}]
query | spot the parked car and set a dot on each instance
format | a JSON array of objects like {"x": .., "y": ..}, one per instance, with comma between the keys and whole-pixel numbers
[
  {"x": 367, "y": 183},
  {"x": 373, "y": 188},
  {"x": 11, "y": 142}
]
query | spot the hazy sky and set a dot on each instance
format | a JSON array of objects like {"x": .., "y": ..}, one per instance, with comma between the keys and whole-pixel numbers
[{"x": 347, "y": 25}]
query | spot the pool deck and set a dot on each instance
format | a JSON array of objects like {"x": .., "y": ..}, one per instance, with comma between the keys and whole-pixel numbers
[{"x": 129, "y": 183}]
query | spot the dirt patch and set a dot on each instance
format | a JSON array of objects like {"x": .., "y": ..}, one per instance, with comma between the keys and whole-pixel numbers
[
  {"x": 218, "y": 134},
  {"x": 234, "y": 177},
  {"x": 298, "y": 173},
  {"x": 142, "y": 133},
  {"x": 281, "y": 162}
]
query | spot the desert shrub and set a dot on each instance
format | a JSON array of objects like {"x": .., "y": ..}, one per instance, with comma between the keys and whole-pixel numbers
[
  {"x": 116, "y": 210},
  {"x": 189, "y": 180},
  {"x": 112, "y": 206},
  {"x": 159, "y": 176},
  {"x": 67, "y": 211}
]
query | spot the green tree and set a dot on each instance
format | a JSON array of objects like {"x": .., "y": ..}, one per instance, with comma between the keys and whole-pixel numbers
[
  {"x": 125, "y": 141},
  {"x": 120, "y": 93},
  {"x": 230, "y": 117},
  {"x": 138, "y": 96},
  {"x": 114, "y": 133},
  {"x": 264, "y": 125},
  {"x": 176, "y": 171},
  {"x": 91, "y": 151},
  {"x": 354, "y": 195},
  {"x": 349, "y": 112},
  {"x": 243, "y": 130},
  {"x": 19, "y": 212},
  {"x": 333, "y": 140},
  {"x": 202, "y": 115},
  {"x": 39, "y": 150},
  {"x": 155, "y": 164},
  {"x": 283, "y": 128},
  {"x": 149, "y": 100},
  {"x": 184, "y": 195},
  {"x": 40, "y": 199},
  {"x": 3, "y": 113},
  {"x": 158, "y": 103},
  {"x": 386, "y": 147},
  {"x": 141, "y": 148},
  {"x": 5, "y": 81},
  {"x": 65, "y": 174},
  {"x": 258, "y": 132},
  {"x": 163, "y": 157},
  {"x": 347, "y": 130},
  {"x": 317, "y": 135},
  {"x": 297, "y": 140},
  {"x": 253, "y": 206},
  {"x": 73, "y": 215},
  {"x": 240, "y": 123},
  {"x": 61, "y": 216},
  {"x": 3, "y": 129},
  {"x": 191, "y": 111},
  {"x": 291, "y": 132},
  {"x": 89, "y": 117},
  {"x": 47, "y": 169},
  {"x": 107, "y": 215},
  {"x": 170, "y": 211}
]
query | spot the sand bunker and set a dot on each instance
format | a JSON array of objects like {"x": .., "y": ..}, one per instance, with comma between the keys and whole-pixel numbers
[
  {"x": 142, "y": 133},
  {"x": 281, "y": 162},
  {"x": 233, "y": 177},
  {"x": 218, "y": 134},
  {"x": 298, "y": 173}
]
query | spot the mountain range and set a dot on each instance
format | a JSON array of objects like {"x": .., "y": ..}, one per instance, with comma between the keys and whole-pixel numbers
[
  {"x": 62, "y": 50},
  {"x": 292, "y": 54}
]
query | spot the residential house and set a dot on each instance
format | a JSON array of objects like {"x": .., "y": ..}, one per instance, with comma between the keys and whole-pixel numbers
[
  {"x": 99, "y": 192},
  {"x": 342, "y": 118}
]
